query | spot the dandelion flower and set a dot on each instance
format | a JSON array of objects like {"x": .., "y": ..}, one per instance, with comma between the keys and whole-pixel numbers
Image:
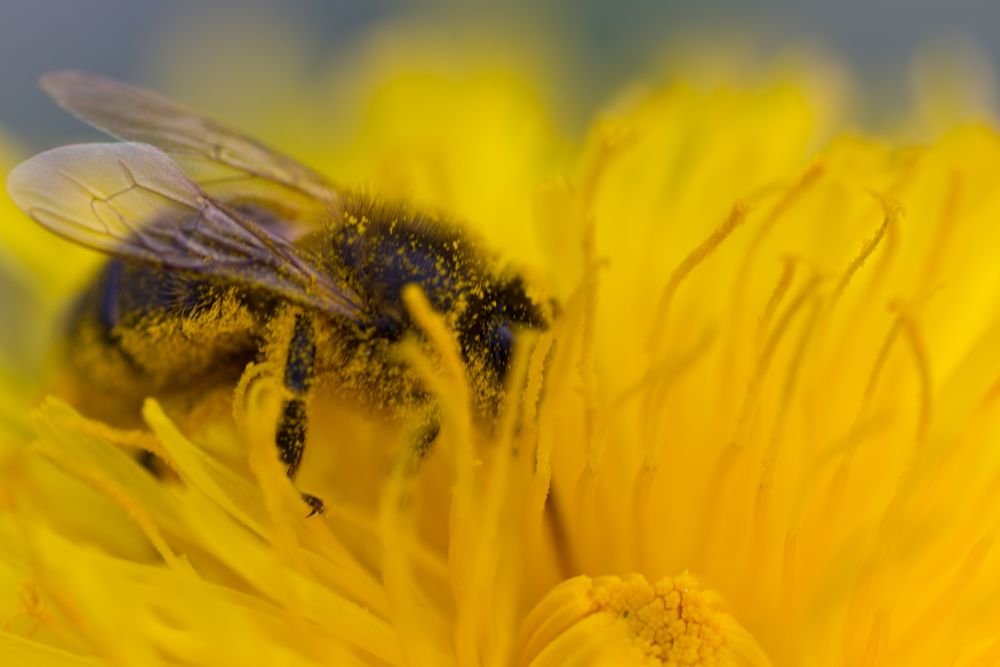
[{"x": 760, "y": 431}]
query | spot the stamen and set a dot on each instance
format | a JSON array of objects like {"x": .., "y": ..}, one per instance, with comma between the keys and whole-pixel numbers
[
  {"x": 216, "y": 481},
  {"x": 717, "y": 484},
  {"x": 792, "y": 195},
  {"x": 280, "y": 498},
  {"x": 762, "y": 533},
  {"x": 452, "y": 389},
  {"x": 892, "y": 212},
  {"x": 922, "y": 362},
  {"x": 764, "y": 361},
  {"x": 57, "y": 419},
  {"x": 136, "y": 512},
  {"x": 544, "y": 501},
  {"x": 585, "y": 497},
  {"x": 486, "y": 605},
  {"x": 612, "y": 139},
  {"x": 784, "y": 282},
  {"x": 417, "y": 635},
  {"x": 133, "y": 439},
  {"x": 737, "y": 216},
  {"x": 654, "y": 388},
  {"x": 809, "y": 178},
  {"x": 453, "y": 395},
  {"x": 588, "y": 373},
  {"x": 534, "y": 383},
  {"x": 904, "y": 324}
]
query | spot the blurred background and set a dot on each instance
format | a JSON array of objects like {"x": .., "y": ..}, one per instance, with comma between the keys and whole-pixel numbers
[{"x": 880, "y": 49}]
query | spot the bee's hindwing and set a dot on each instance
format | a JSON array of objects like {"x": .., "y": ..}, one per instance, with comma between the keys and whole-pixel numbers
[{"x": 229, "y": 166}]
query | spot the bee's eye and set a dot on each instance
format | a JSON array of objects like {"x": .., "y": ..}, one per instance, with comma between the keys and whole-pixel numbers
[{"x": 501, "y": 341}]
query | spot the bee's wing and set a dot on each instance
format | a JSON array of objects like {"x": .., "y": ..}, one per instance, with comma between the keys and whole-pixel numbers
[
  {"x": 132, "y": 201},
  {"x": 229, "y": 166}
]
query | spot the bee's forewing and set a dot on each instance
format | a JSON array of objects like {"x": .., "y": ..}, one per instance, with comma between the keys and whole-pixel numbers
[
  {"x": 231, "y": 167},
  {"x": 132, "y": 201}
]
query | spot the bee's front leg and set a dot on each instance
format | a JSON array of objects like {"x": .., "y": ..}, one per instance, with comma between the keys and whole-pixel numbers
[{"x": 293, "y": 422}]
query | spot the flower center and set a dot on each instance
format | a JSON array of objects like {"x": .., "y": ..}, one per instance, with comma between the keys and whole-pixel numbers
[{"x": 610, "y": 619}]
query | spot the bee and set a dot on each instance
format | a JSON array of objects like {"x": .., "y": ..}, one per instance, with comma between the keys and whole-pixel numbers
[{"x": 222, "y": 251}]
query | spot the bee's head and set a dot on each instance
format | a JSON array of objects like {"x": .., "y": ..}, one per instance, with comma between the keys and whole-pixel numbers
[{"x": 489, "y": 325}]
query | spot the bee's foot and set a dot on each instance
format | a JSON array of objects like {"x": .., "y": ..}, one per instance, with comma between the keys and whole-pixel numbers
[
  {"x": 154, "y": 465},
  {"x": 316, "y": 505}
]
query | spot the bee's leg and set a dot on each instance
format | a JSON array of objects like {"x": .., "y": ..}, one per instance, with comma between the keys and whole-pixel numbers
[
  {"x": 421, "y": 441},
  {"x": 292, "y": 425},
  {"x": 424, "y": 437}
]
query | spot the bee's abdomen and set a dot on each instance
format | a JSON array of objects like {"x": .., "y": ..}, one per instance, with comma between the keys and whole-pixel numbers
[{"x": 141, "y": 328}]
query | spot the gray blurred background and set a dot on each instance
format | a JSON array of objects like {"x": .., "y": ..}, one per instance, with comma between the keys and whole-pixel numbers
[{"x": 598, "y": 44}]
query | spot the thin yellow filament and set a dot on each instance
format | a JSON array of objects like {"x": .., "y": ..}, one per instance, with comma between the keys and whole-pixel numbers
[
  {"x": 773, "y": 301},
  {"x": 493, "y": 603},
  {"x": 764, "y": 361},
  {"x": 892, "y": 212},
  {"x": 763, "y": 528},
  {"x": 45, "y": 421},
  {"x": 587, "y": 369},
  {"x": 281, "y": 502},
  {"x": 737, "y": 216},
  {"x": 453, "y": 395},
  {"x": 718, "y": 482},
  {"x": 792, "y": 195},
  {"x": 409, "y": 613},
  {"x": 121, "y": 497},
  {"x": 657, "y": 384},
  {"x": 921, "y": 361}
]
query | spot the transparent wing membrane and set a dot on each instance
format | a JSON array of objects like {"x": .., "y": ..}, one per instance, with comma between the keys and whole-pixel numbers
[
  {"x": 131, "y": 200},
  {"x": 228, "y": 165}
]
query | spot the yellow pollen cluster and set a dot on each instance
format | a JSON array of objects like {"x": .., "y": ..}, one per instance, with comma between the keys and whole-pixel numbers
[
  {"x": 613, "y": 620},
  {"x": 672, "y": 621}
]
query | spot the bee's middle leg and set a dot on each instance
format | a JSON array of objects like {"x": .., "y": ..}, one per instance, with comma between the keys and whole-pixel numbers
[{"x": 293, "y": 422}]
